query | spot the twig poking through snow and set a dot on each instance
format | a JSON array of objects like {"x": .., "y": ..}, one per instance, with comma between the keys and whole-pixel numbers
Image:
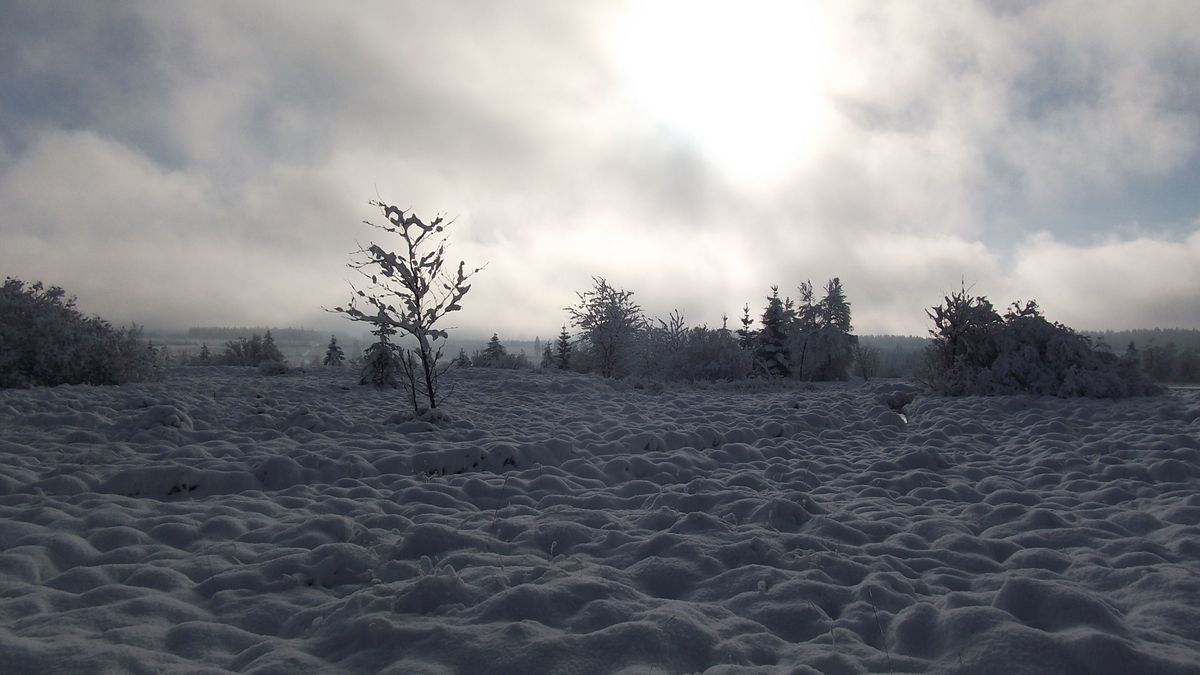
[
  {"x": 831, "y": 636},
  {"x": 879, "y": 625}
]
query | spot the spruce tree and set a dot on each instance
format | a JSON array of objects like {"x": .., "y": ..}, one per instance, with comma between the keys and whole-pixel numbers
[
  {"x": 494, "y": 352},
  {"x": 205, "y": 353},
  {"x": 562, "y": 351},
  {"x": 834, "y": 308},
  {"x": 771, "y": 348},
  {"x": 745, "y": 334},
  {"x": 803, "y": 332},
  {"x": 270, "y": 352},
  {"x": 333, "y": 353},
  {"x": 834, "y": 342}
]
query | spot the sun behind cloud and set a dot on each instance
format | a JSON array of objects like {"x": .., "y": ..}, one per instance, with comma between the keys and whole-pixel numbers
[{"x": 744, "y": 82}]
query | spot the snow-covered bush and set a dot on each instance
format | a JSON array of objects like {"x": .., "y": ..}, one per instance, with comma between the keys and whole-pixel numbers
[
  {"x": 610, "y": 322},
  {"x": 976, "y": 351},
  {"x": 660, "y": 348},
  {"x": 45, "y": 341},
  {"x": 713, "y": 355},
  {"x": 272, "y": 367}
]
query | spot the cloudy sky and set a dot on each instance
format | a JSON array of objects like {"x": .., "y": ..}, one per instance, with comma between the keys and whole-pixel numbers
[{"x": 210, "y": 163}]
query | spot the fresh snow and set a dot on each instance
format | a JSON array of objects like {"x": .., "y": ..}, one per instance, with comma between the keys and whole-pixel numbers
[{"x": 222, "y": 521}]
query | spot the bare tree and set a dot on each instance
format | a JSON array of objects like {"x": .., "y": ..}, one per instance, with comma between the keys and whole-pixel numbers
[
  {"x": 410, "y": 292},
  {"x": 866, "y": 357}
]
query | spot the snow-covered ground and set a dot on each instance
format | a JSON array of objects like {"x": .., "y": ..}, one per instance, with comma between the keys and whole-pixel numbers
[{"x": 223, "y": 521}]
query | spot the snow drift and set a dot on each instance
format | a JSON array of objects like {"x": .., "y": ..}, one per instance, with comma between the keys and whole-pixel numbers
[{"x": 225, "y": 522}]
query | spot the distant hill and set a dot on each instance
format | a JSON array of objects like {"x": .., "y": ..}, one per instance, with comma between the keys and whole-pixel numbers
[{"x": 297, "y": 335}]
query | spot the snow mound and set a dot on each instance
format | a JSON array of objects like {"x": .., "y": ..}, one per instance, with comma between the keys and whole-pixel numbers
[{"x": 224, "y": 522}]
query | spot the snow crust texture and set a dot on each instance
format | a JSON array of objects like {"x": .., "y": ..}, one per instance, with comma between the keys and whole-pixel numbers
[{"x": 226, "y": 522}]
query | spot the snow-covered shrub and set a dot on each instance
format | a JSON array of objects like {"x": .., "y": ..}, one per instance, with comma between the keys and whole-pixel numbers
[
  {"x": 659, "y": 348},
  {"x": 976, "y": 351},
  {"x": 712, "y": 355},
  {"x": 610, "y": 322},
  {"x": 272, "y": 367},
  {"x": 45, "y": 341}
]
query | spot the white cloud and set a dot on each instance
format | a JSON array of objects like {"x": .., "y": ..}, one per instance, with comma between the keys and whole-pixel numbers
[
  {"x": 216, "y": 168},
  {"x": 1138, "y": 283}
]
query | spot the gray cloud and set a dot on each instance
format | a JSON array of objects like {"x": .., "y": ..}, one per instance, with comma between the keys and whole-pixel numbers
[{"x": 182, "y": 164}]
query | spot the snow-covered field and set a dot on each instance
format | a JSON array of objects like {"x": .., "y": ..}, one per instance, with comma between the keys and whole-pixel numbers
[{"x": 223, "y": 521}]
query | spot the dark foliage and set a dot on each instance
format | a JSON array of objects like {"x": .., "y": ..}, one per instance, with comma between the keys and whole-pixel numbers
[
  {"x": 976, "y": 351},
  {"x": 45, "y": 341}
]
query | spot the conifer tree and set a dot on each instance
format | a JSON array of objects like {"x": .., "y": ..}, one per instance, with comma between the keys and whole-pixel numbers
[
  {"x": 803, "y": 331},
  {"x": 270, "y": 352},
  {"x": 834, "y": 308},
  {"x": 834, "y": 342},
  {"x": 494, "y": 352},
  {"x": 547, "y": 357},
  {"x": 771, "y": 348},
  {"x": 745, "y": 334},
  {"x": 562, "y": 351},
  {"x": 382, "y": 366},
  {"x": 334, "y": 356},
  {"x": 205, "y": 353}
]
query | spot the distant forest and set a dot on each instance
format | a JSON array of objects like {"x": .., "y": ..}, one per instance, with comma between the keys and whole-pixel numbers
[
  {"x": 1170, "y": 355},
  {"x": 296, "y": 335}
]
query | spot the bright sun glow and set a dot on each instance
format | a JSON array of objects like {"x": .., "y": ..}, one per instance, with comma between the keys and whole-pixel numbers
[{"x": 743, "y": 81}]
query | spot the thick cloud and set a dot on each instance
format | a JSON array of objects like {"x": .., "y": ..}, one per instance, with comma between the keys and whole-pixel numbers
[{"x": 181, "y": 164}]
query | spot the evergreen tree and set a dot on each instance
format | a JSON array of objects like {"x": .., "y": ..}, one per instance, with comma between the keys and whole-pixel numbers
[
  {"x": 205, "y": 353},
  {"x": 494, "y": 352},
  {"x": 562, "y": 350},
  {"x": 771, "y": 347},
  {"x": 834, "y": 344},
  {"x": 381, "y": 363},
  {"x": 462, "y": 359},
  {"x": 334, "y": 356},
  {"x": 1131, "y": 353},
  {"x": 745, "y": 334},
  {"x": 547, "y": 357},
  {"x": 834, "y": 308},
  {"x": 803, "y": 332},
  {"x": 270, "y": 352}
]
